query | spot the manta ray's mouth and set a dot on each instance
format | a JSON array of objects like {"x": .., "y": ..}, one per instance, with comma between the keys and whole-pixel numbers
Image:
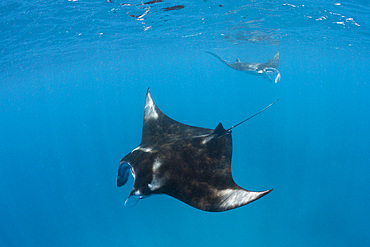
[{"x": 123, "y": 174}]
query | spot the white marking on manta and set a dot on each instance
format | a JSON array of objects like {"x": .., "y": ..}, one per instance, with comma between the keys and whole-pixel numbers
[
  {"x": 137, "y": 193},
  {"x": 150, "y": 112},
  {"x": 232, "y": 198},
  {"x": 207, "y": 139},
  {"x": 142, "y": 149},
  {"x": 132, "y": 172},
  {"x": 156, "y": 181},
  {"x": 156, "y": 165}
]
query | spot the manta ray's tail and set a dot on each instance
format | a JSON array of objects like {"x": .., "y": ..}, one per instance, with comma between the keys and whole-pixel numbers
[
  {"x": 218, "y": 58},
  {"x": 274, "y": 62}
]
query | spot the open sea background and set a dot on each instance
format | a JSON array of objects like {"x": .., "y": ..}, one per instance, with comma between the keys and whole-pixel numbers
[{"x": 73, "y": 77}]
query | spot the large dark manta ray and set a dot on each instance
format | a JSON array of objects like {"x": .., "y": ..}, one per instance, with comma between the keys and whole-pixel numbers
[{"x": 189, "y": 163}]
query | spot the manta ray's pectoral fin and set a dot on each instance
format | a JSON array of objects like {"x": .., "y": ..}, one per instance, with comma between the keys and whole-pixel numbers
[
  {"x": 274, "y": 62},
  {"x": 272, "y": 74}
]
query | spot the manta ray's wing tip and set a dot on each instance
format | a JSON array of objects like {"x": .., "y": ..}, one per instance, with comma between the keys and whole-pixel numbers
[
  {"x": 261, "y": 194},
  {"x": 148, "y": 97},
  {"x": 231, "y": 199}
]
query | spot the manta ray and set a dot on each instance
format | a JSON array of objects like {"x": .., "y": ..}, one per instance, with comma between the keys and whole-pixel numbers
[
  {"x": 268, "y": 70},
  {"x": 191, "y": 164}
]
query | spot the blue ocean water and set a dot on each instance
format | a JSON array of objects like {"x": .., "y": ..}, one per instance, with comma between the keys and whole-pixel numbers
[{"x": 73, "y": 77}]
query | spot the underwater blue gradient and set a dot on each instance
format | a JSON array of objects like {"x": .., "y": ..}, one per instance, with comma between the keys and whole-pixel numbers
[{"x": 72, "y": 103}]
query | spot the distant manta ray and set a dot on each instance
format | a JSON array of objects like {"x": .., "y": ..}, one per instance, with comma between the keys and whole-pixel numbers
[
  {"x": 268, "y": 70},
  {"x": 191, "y": 164}
]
